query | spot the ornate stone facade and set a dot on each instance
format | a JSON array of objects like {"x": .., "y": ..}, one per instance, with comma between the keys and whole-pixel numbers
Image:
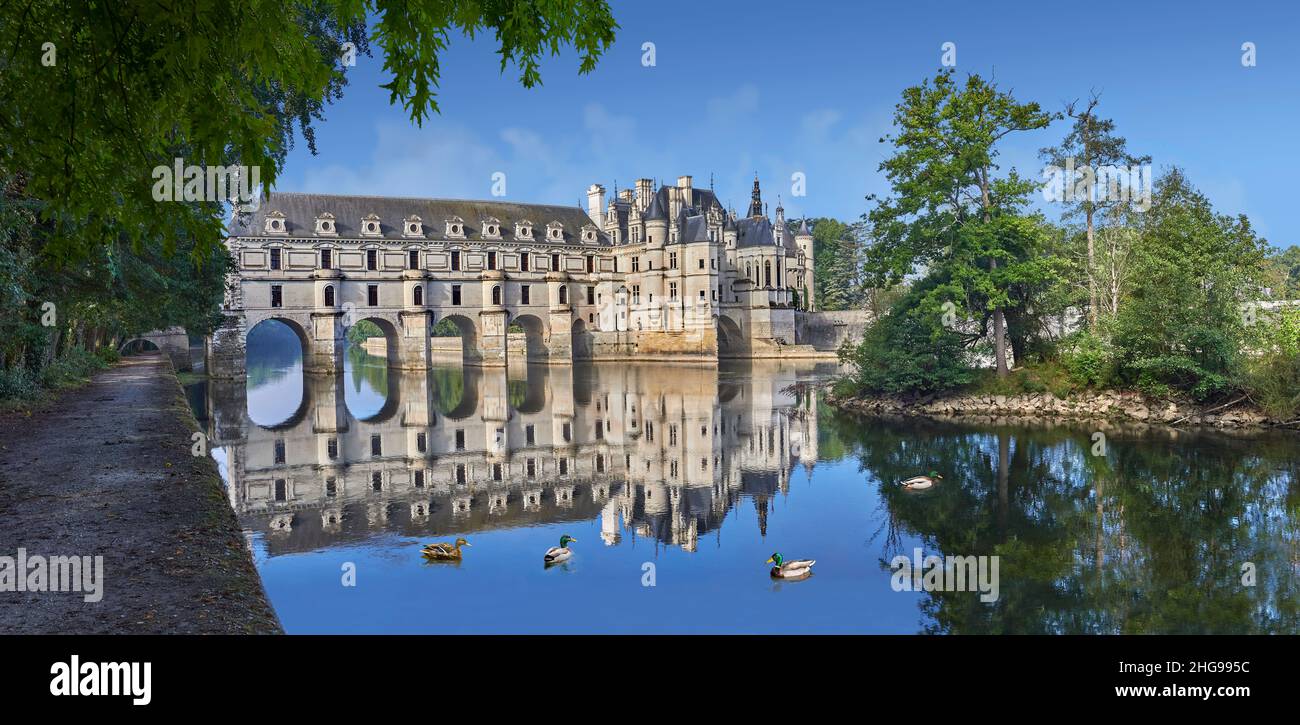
[{"x": 652, "y": 274}]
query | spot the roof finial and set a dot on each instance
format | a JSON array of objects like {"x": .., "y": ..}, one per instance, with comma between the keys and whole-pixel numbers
[{"x": 756, "y": 200}]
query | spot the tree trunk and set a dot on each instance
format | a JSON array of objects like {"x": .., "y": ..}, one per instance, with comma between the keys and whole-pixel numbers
[
  {"x": 1092, "y": 276},
  {"x": 999, "y": 323}
]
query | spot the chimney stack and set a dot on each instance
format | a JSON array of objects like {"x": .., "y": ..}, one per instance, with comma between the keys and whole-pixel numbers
[
  {"x": 684, "y": 183},
  {"x": 596, "y": 204},
  {"x": 644, "y": 189}
]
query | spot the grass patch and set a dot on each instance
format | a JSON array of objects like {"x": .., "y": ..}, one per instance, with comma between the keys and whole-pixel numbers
[{"x": 1048, "y": 377}]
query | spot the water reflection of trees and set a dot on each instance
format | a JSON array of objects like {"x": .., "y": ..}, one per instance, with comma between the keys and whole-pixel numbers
[{"x": 1150, "y": 537}]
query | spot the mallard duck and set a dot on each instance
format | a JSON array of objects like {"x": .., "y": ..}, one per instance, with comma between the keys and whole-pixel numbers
[
  {"x": 557, "y": 554},
  {"x": 797, "y": 569},
  {"x": 920, "y": 483},
  {"x": 444, "y": 551}
]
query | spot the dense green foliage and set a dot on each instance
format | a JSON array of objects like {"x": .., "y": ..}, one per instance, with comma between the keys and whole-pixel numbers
[
  {"x": 95, "y": 96},
  {"x": 948, "y": 212},
  {"x": 838, "y": 279},
  {"x": 1155, "y": 296},
  {"x": 100, "y": 102}
]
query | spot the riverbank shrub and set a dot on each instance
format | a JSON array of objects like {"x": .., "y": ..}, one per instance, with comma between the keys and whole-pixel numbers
[
  {"x": 1273, "y": 373},
  {"x": 910, "y": 351},
  {"x": 1089, "y": 360}
]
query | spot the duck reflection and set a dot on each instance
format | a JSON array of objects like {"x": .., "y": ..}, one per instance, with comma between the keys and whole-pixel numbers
[{"x": 662, "y": 451}]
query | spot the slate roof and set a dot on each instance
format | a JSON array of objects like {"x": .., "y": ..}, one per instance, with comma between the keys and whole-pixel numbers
[
  {"x": 300, "y": 211},
  {"x": 758, "y": 232}
]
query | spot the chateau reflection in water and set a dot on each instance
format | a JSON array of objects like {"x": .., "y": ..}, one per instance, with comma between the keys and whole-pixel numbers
[{"x": 662, "y": 451}]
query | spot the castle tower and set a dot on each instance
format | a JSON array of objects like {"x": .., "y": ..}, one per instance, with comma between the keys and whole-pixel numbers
[
  {"x": 756, "y": 201},
  {"x": 803, "y": 239}
]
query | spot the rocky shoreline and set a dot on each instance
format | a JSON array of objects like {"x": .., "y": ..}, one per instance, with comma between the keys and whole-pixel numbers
[{"x": 1115, "y": 406}]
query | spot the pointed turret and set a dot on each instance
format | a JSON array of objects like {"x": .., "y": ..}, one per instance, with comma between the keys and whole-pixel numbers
[{"x": 756, "y": 200}]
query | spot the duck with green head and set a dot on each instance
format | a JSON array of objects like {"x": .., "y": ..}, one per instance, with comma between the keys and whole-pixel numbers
[
  {"x": 443, "y": 551},
  {"x": 921, "y": 483},
  {"x": 793, "y": 569},
  {"x": 557, "y": 554}
]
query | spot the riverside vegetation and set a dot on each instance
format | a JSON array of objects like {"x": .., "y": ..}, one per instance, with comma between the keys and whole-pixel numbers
[{"x": 1182, "y": 309}]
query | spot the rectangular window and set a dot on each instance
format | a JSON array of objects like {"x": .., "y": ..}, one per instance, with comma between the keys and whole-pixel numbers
[
  {"x": 528, "y": 435},
  {"x": 492, "y": 260},
  {"x": 277, "y": 295},
  {"x": 421, "y": 442},
  {"x": 672, "y": 260},
  {"x": 567, "y": 432},
  {"x": 377, "y": 481},
  {"x": 455, "y": 261},
  {"x": 460, "y": 440},
  {"x": 327, "y": 259},
  {"x": 279, "y": 451},
  {"x": 376, "y": 446},
  {"x": 419, "y": 479},
  {"x": 701, "y": 263},
  {"x": 636, "y": 294},
  {"x": 496, "y": 471},
  {"x": 331, "y": 487},
  {"x": 332, "y": 448},
  {"x": 531, "y": 467},
  {"x": 564, "y": 466},
  {"x": 372, "y": 260},
  {"x": 279, "y": 489},
  {"x": 636, "y": 264},
  {"x": 672, "y": 290},
  {"x": 591, "y": 264},
  {"x": 275, "y": 259},
  {"x": 455, "y": 294},
  {"x": 372, "y": 295},
  {"x": 523, "y": 261},
  {"x": 591, "y": 295},
  {"x": 555, "y": 263},
  {"x": 460, "y": 473},
  {"x": 524, "y": 295},
  {"x": 413, "y": 259}
]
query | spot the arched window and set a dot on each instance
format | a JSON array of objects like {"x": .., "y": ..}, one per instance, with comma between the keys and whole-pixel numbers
[
  {"x": 329, "y": 295},
  {"x": 496, "y": 294},
  {"x": 418, "y": 295},
  {"x": 564, "y": 294},
  {"x": 767, "y": 273}
]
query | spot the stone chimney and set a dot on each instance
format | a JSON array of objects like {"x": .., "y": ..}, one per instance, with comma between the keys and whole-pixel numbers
[
  {"x": 596, "y": 204},
  {"x": 644, "y": 190},
  {"x": 684, "y": 183}
]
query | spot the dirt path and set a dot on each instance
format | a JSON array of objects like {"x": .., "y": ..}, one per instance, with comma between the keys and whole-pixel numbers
[{"x": 107, "y": 470}]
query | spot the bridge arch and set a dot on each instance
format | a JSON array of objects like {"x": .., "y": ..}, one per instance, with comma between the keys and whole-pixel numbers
[
  {"x": 471, "y": 353},
  {"x": 536, "y": 336},
  {"x": 276, "y": 387},
  {"x": 731, "y": 340}
]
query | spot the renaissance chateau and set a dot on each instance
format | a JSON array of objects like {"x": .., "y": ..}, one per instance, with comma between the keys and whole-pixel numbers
[{"x": 649, "y": 273}]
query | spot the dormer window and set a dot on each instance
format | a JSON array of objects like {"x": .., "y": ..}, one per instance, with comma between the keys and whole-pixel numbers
[
  {"x": 491, "y": 228},
  {"x": 455, "y": 227},
  {"x": 276, "y": 224},
  {"x": 524, "y": 229},
  {"x": 413, "y": 226},
  {"x": 370, "y": 226},
  {"x": 555, "y": 232},
  {"x": 589, "y": 234},
  {"x": 325, "y": 225}
]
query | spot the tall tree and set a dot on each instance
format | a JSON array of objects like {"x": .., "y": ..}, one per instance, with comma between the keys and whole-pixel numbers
[
  {"x": 1183, "y": 328},
  {"x": 95, "y": 97},
  {"x": 1090, "y": 146},
  {"x": 947, "y": 208}
]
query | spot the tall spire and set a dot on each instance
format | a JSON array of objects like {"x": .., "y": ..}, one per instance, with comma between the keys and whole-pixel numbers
[{"x": 756, "y": 203}]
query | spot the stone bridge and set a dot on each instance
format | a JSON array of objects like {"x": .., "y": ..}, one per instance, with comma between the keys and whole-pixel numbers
[{"x": 173, "y": 341}]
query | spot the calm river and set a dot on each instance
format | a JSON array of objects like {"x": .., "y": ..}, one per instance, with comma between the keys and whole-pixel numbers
[{"x": 678, "y": 482}]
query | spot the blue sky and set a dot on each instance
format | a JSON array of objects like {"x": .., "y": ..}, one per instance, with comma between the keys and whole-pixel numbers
[{"x": 780, "y": 88}]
